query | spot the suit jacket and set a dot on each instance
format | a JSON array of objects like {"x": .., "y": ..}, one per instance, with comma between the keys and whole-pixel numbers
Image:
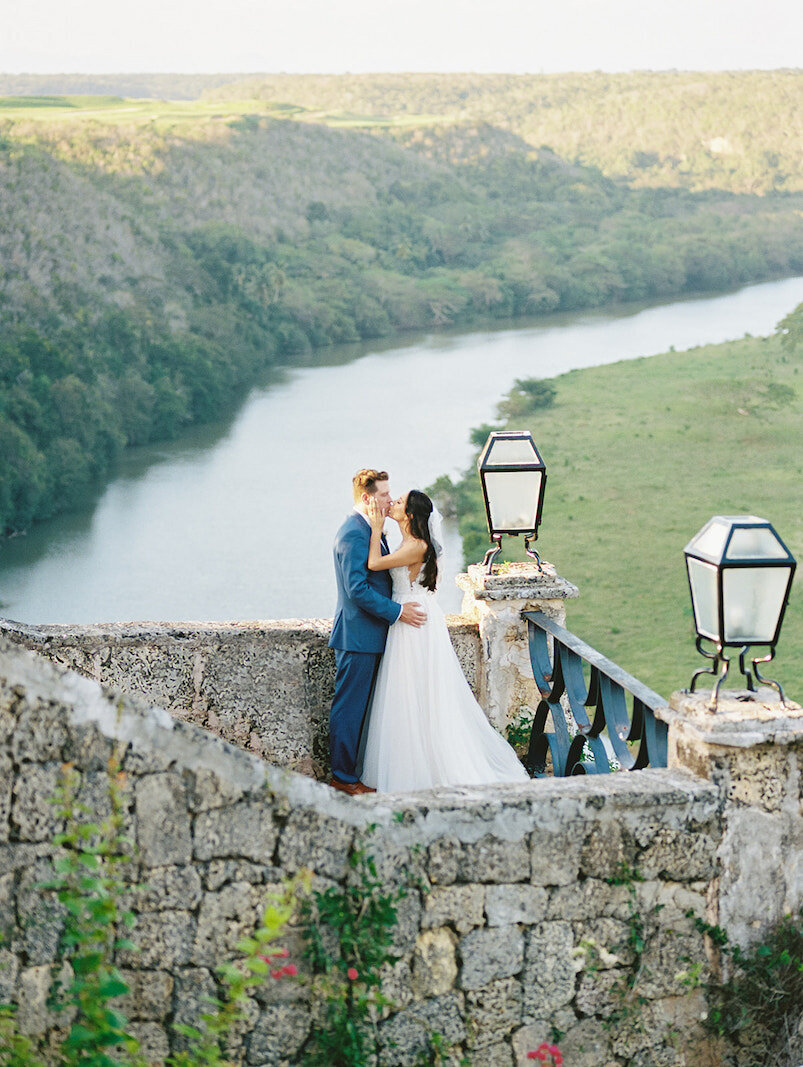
[{"x": 364, "y": 608}]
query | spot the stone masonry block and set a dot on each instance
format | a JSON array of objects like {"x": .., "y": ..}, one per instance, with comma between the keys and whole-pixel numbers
[
  {"x": 32, "y": 813},
  {"x": 549, "y": 970},
  {"x": 6, "y": 783},
  {"x": 443, "y": 860},
  {"x": 679, "y": 855},
  {"x": 41, "y": 734},
  {"x": 587, "y": 900},
  {"x": 164, "y": 940},
  {"x": 669, "y": 952},
  {"x": 40, "y": 914},
  {"x": 278, "y": 1035},
  {"x": 555, "y": 856},
  {"x": 169, "y": 889},
  {"x": 752, "y": 845},
  {"x": 601, "y": 993},
  {"x": 434, "y": 962},
  {"x": 223, "y": 919},
  {"x": 499, "y": 1054},
  {"x": 212, "y": 791},
  {"x": 588, "y": 1044},
  {"x": 163, "y": 822},
  {"x": 154, "y": 1046},
  {"x": 192, "y": 989},
  {"x": 149, "y": 997},
  {"x": 527, "y": 1039},
  {"x": 8, "y": 904},
  {"x": 219, "y": 872},
  {"x": 460, "y": 906},
  {"x": 508, "y": 904},
  {"x": 397, "y": 983},
  {"x": 405, "y": 1037},
  {"x": 408, "y": 923},
  {"x": 487, "y": 954},
  {"x": 9, "y": 971},
  {"x": 492, "y": 1012},
  {"x": 33, "y": 1017},
  {"x": 492, "y": 859},
  {"x": 604, "y": 943},
  {"x": 240, "y": 831},
  {"x": 309, "y": 839},
  {"x": 607, "y": 848}
]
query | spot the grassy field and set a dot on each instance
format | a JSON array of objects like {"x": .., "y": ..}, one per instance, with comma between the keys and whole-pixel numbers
[
  {"x": 639, "y": 456},
  {"x": 182, "y": 116}
]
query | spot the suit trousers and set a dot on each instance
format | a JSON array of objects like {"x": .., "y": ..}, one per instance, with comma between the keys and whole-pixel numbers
[{"x": 354, "y": 683}]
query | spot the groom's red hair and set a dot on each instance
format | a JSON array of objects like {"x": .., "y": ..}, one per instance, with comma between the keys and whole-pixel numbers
[{"x": 364, "y": 481}]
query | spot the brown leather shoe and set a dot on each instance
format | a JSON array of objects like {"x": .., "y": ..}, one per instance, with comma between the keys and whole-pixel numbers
[{"x": 353, "y": 789}]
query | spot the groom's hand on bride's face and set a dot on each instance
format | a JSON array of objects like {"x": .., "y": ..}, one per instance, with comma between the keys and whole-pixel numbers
[{"x": 412, "y": 614}]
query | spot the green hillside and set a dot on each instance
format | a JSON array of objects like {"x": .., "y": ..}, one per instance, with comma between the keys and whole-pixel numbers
[
  {"x": 157, "y": 256},
  {"x": 741, "y": 131}
]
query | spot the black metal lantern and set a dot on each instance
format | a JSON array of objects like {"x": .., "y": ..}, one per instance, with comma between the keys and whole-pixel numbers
[
  {"x": 513, "y": 478},
  {"x": 740, "y": 574}
]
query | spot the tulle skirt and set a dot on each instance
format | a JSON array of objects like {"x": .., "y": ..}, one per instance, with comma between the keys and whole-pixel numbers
[{"x": 425, "y": 728}]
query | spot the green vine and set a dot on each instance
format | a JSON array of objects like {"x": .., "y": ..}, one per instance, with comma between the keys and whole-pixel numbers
[
  {"x": 518, "y": 732},
  {"x": 630, "y": 1002},
  {"x": 89, "y": 886},
  {"x": 16, "y": 1050},
  {"x": 349, "y": 935},
  {"x": 210, "y": 1043},
  {"x": 761, "y": 1004}
]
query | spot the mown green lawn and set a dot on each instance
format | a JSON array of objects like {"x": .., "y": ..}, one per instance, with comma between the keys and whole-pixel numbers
[{"x": 639, "y": 455}]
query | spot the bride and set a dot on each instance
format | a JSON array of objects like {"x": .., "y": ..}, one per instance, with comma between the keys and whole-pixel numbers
[{"x": 425, "y": 727}]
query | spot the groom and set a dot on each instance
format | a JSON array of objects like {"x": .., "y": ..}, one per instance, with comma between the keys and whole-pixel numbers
[{"x": 364, "y": 613}]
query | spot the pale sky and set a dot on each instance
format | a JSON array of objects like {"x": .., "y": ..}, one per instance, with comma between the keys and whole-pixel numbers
[{"x": 191, "y": 36}]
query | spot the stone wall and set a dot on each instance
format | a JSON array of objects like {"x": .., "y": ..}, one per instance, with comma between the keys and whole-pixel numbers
[
  {"x": 266, "y": 687},
  {"x": 517, "y": 918}
]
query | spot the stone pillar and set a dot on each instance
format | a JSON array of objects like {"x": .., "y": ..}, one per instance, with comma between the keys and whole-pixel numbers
[
  {"x": 751, "y": 747},
  {"x": 495, "y": 602}
]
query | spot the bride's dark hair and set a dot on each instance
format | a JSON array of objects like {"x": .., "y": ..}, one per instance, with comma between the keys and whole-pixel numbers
[{"x": 418, "y": 510}]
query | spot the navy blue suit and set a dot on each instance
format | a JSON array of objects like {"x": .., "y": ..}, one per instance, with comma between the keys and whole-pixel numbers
[{"x": 364, "y": 612}]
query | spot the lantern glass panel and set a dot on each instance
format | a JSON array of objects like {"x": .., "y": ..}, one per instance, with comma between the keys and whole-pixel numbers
[
  {"x": 513, "y": 499},
  {"x": 754, "y": 598},
  {"x": 755, "y": 543},
  {"x": 705, "y": 597},
  {"x": 506, "y": 452}
]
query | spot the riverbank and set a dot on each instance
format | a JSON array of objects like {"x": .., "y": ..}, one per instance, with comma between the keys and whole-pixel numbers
[{"x": 639, "y": 455}]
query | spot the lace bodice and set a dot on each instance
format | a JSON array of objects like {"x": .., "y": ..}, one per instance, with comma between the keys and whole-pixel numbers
[{"x": 403, "y": 588}]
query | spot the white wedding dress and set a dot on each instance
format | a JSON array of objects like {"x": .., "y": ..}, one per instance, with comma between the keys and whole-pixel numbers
[{"x": 425, "y": 728}]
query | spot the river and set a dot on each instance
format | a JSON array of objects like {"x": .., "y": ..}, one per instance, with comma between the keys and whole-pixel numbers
[{"x": 235, "y": 521}]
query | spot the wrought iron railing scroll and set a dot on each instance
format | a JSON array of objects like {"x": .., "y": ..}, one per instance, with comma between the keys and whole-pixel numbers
[{"x": 604, "y": 730}]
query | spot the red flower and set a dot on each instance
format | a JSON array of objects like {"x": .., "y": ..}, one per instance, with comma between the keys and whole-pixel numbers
[
  {"x": 291, "y": 970},
  {"x": 352, "y": 974}
]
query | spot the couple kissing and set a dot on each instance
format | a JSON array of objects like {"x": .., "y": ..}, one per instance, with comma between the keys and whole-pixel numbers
[{"x": 403, "y": 716}]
